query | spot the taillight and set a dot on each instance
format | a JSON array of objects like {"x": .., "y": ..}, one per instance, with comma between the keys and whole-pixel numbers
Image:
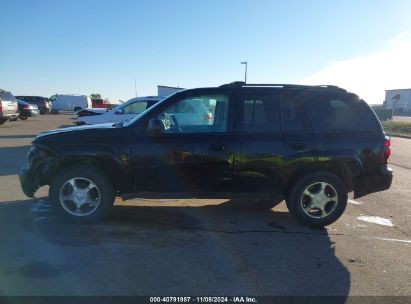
[
  {"x": 26, "y": 107},
  {"x": 385, "y": 151},
  {"x": 1, "y": 106}
]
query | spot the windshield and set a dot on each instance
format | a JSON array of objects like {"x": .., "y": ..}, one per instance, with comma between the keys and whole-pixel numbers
[{"x": 145, "y": 112}]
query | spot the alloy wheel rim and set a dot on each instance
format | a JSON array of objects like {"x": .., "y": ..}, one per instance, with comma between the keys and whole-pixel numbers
[
  {"x": 80, "y": 196},
  {"x": 319, "y": 200}
]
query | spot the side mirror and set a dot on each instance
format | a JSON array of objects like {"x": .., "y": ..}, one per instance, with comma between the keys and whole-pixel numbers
[
  {"x": 155, "y": 126},
  {"x": 119, "y": 111}
]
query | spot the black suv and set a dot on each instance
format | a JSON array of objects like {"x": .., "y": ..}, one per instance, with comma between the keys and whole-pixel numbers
[
  {"x": 42, "y": 103},
  {"x": 309, "y": 145}
]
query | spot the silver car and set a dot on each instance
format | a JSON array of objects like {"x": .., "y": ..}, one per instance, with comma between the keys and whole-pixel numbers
[{"x": 9, "y": 109}]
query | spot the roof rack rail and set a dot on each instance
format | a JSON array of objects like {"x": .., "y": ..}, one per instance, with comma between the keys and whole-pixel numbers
[
  {"x": 233, "y": 84},
  {"x": 237, "y": 84}
]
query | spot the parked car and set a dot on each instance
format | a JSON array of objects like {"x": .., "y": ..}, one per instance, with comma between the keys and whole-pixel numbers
[
  {"x": 43, "y": 103},
  {"x": 127, "y": 110},
  {"x": 27, "y": 110},
  {"x": 66, "y": 102},
  {"x": 8, "y": 107},
  {"x": 92, "y": 111},
  {"x": 309, "y": 145},
  {"x": 99, "y": 103}
]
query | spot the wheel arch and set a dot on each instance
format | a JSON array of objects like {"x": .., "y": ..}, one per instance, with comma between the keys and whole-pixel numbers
[
  {"x": 345, "y": 171},
  {"x": 108, "y": 167}
]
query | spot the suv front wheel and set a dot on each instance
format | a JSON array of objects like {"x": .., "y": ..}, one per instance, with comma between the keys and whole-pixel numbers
[
  {"x": 81, "y": 193},
  {"x": 317, "y": 199}
]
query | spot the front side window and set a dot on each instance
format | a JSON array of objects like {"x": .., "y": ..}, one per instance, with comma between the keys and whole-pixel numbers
[{"x": 197, "y": 114}]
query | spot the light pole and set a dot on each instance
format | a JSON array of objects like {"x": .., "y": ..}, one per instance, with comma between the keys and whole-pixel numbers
[{"x": 245, "y": 74}]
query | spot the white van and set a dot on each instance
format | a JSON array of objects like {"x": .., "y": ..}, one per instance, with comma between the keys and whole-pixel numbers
[{"x": 65, "y": 102}]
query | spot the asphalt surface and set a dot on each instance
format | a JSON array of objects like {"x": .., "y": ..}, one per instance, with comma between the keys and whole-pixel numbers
[{"x": 199, "y": 247}]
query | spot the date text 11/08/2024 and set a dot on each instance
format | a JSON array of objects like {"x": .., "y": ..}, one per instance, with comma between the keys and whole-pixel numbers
[{"x": 203, "y": 300}]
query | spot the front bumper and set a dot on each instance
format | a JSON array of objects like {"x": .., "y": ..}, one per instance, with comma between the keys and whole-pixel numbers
[
  {"x": 27, "y": 183},
  {"x": 34, "y": 172},
  {"x": 375, "y": 181}
]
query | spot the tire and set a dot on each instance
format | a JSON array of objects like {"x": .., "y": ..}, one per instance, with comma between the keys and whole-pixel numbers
[
  {"x": 86, "y": 204},
  {"x": 22, "y": 117},
  {"x": 76, "y": 109},
  {"x": 321, "y": 189},
  {"x": 2, "y": 121}
]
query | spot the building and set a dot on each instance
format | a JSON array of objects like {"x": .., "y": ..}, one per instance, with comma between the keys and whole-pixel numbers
[
  {"x": 400, "y": 99},
  {"x": 167, "y": 91}
]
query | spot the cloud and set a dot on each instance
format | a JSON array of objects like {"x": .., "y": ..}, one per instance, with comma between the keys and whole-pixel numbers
[{"x": 370, "y": 75}]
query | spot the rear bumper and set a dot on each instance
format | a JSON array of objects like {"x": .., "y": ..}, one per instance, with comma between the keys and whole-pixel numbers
[
  {"x": 375, "y": 181},
  {"x": 7, "y": 116}
]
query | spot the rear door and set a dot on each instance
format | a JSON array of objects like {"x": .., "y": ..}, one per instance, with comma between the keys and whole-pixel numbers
[{"x": 260, "y": 146}]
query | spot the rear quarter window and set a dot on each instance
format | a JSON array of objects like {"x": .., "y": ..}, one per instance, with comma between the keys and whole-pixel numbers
[{"x": 332, "y": 112}]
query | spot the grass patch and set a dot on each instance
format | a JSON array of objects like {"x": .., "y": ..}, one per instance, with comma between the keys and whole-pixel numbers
[{"x": 399, "y": 128}]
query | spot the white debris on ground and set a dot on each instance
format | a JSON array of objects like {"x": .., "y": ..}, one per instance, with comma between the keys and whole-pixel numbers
[{"x": 376, "y": 220}]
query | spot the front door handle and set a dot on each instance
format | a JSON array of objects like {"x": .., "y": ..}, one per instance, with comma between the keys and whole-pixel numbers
[
  {"x": 216, "y": 147},
  {"x": 298, "y": 146}
]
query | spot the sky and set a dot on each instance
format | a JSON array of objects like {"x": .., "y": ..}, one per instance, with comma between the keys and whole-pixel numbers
[{"x": 106, "y": 47}]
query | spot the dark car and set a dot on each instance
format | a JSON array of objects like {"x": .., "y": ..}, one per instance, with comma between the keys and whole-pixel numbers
[
  {"x": 8, "y": 107},
  {"x": 43, "y": 103},
  {"x": 309, "y": 145},
  {"x": 27, "y": 110}
]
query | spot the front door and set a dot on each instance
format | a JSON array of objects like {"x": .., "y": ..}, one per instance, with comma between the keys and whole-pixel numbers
[{"x": 193, "y": 153}]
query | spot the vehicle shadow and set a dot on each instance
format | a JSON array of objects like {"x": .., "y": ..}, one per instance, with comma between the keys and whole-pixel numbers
[
  {"x": 12, "y": 159},
  {"x": 214, "y": 249}
]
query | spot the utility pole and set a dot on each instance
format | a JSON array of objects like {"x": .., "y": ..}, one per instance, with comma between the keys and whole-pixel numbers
[
  {"x": 245, "y": 73},
  {"x": 135, "y": 86}
]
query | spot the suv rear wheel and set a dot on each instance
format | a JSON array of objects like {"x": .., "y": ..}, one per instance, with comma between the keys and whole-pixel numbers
[
  {"x": 317, "y": 199},
  {"x": 81, "y": 193}
]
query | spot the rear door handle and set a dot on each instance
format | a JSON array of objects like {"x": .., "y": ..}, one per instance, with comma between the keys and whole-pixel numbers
[
  {"x": 298, "y": 146},
  {"x": 216, "y": 147}
]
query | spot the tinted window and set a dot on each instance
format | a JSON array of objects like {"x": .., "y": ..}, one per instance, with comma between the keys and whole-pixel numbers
[
  {"x": 339, "y": 112},
  {"x": 291, "y": 118},
  {"x": 261, "y": 113},
  {"x": 7, "y": 96}
]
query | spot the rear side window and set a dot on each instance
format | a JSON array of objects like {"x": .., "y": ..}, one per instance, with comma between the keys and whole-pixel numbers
[
  {"x": 135, "y": 107},
  {"x": 261, "y": 113},
  {"x": 291, "y": 112},
  {"x": 7, "y": 96},
  {"x": 330, "y": 112}
]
